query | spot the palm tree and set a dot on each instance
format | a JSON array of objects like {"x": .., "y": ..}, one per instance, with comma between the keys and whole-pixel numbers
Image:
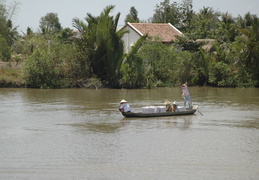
[
  {"x": 206, "y": 24},
  {"x": 132, "y": 67},
  {"x": 102, "y": 44},
  {"x": 251, "y": 48},
  {"x": 8, "y": 33},
  {"x": 227, "y": 30}
]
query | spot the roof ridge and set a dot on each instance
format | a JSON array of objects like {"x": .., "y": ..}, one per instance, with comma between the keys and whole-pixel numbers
[
  {"x": 175, "y": 28},
  {"x": 166, "y": 31},
  {"x": 151, "y": 23},
  {"x": 135, "y": 28}
]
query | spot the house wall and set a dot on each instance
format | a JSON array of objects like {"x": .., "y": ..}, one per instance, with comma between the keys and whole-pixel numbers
[{"x": 129, "y": 38}]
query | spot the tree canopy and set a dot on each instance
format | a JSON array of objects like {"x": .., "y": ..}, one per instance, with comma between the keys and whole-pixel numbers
[
  {"x": 8, "y": 33},
  {"x": 132, "y": 17},
  {"x": 102, "y": 43},
  {"x": 50, "y": 23}
]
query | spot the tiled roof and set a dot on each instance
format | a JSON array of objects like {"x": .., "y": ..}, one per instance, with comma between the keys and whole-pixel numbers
[{"x": 166, "y": 32}]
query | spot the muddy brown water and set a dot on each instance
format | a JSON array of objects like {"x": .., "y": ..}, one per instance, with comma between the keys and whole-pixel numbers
[{"x": 80, "y": 134}]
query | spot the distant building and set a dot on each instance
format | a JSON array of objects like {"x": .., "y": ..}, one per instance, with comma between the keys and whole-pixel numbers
[
  {"x": 208, "y": 43},
  {"x": 77, "y": 34},
  {"x": 166, "y": 32}
]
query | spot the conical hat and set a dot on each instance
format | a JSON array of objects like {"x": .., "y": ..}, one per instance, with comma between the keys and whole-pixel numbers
[
  {"x": 123, "y": 101},
  {"x": 167, "y": 102}
]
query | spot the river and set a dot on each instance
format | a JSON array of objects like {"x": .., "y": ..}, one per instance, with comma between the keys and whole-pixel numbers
[{"x": 80, "y": 134}]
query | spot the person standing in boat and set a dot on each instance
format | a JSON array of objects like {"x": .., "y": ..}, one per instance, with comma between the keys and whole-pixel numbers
[
  {"x": 186, "y": 95},
  {"x": 124, "y": 106}
]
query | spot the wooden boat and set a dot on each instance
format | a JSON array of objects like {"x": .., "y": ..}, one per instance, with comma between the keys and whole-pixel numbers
[{"x": 144, "y": 115}]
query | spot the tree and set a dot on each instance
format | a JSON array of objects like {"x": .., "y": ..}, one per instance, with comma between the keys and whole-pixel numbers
[
  {"x": 52, "y": 65},
  {"x": 207, "y": 23},
  {"x": 133, "y": 68},
  {"x": 29, "y": 31},
  {"x": 49, "y": 24},
  {"x": 4, "y": 49},
  {"x": 12, "y": 32},
  {"x": 251, "y": 48},
  {"x": 102, "y": 44},
  {"x": 132, "y": 17},
  {"x": 186, "y": 15},
  {"x": 178, "y": 14},
  {"x": 65, "y": 35},
  {"x": 227, "y": 29},
  {"x": 167, "y": 13},
  {"x": 8, "y": 33}
]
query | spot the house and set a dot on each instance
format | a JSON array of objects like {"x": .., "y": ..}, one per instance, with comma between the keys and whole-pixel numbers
[
  {"x": 166, "y": 32},
  {"x": 77, "y": 34},
  {"x": 208, "y": 43}
]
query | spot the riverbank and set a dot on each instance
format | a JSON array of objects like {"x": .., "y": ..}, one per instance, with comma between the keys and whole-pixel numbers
[
  {"x": 11, "y": 75},
  {"x": 12, "y": 78}
]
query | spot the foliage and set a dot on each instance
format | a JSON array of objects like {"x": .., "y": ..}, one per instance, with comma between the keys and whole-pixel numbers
[
  {"x": 50, "y": 24},
  {"x": 166, "y": 12},
  {"x": 178, "y": 14},
  {"x": 251, "y": 49},
  {"x": 8, "y": 33},
  {"x": 219, "y": 74},
  {"x": 11, "y": 78},
  {"x": 4, "y": 49},
  {"x": 227, "y": 29},
  {"x": 186, "y": 44},
  {"x": 102, "y": 44},
  {"x": 132, "y": 17},
  {"x": 232, "y": 60},
  {"x": 51, "y": 66},
  {"x": 158, "y": 60},
  {"x": 39, "y": 70},
  {"x": 65, "y": 35},
  {"x": 166, "y": 65},
  {"x": 184, "y": 68},
  {"x": 133, "y": 67}
]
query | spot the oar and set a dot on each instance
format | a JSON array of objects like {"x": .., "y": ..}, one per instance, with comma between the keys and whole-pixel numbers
[{"x": 192, "y": 105}]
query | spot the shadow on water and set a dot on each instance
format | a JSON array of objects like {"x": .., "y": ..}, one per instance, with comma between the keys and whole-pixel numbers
[
  {"x": 182, "y": 123},
  {"x": 175, "y": 122}
]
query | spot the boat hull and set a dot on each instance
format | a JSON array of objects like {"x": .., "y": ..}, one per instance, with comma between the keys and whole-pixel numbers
[{"x": 181, "y": 113}]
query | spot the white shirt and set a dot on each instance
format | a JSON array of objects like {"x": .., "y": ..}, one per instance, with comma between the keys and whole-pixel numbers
[{"x": 125, "y": 107}]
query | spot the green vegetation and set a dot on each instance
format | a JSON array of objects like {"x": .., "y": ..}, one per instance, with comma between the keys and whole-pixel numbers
[
  {"x": 11, "y": 78},
  {"x": 102, "y": 45},
  {"x": 216, "y": 50},
  {"x": 132, "y": 16}
]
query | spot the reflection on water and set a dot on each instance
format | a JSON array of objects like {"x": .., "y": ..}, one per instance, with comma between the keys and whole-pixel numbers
[{"x": 80, "y": 134}]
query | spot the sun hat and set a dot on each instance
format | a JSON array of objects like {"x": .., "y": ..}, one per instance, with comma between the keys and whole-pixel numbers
[
  {"x": 167, "y": 102},
  {"x": 175, "y": 102},
  {"x": 123, "y": 101}
]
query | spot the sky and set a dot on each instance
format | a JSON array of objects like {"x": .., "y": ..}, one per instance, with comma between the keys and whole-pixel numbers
[{"x": 29, "y": 12}]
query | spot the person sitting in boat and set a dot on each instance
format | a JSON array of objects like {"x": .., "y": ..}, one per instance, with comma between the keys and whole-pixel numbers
[
  {"x": 174, "y": 108},
  {"x": 124, "y": 106},
  {"x": 168, "y": 106}
]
